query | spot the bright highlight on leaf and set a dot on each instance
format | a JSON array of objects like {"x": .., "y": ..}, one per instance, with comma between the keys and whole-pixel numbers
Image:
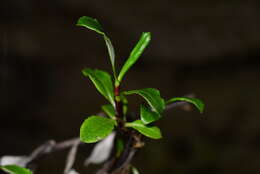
[
  {"x": 94, "y": 25},
  {"x": 102, "y": 81},
  {"x": 96, "y": 128},
  {"x": 196, "y": 102},
  {"x": 109, "y": 110},
  {"x": 151, "y": 132},
  {"x": 135, "y": 54},
  {"x": 147, "y": 115},
  {"x": 13, "y": 169},
  {"x": 152, "y": 96}
]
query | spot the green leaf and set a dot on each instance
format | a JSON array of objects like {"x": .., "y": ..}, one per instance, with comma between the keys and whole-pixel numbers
[
  {"x": 90, "y": 23},
  {"x": 151, "y": 132},
  {"x": 196, "y": 102},
  {"x": 147, "y": 115},
  {"x": 96, "y": 128},
  {"x": 102, "y": 81},
  {"x": 94, "y": 25},
  {"x": 109, "y": 110},
  {"x": 152, "y": 96},
  {"x": 13, "y": 169},
  {"x": 135, "y": 54}
]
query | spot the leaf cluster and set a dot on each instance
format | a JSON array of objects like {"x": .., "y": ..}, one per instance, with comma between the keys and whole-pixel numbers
[{"x": 95, "y": 128}]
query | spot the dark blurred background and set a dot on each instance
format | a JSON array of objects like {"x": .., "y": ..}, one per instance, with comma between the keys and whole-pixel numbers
[{"x": 208, "y": 48}]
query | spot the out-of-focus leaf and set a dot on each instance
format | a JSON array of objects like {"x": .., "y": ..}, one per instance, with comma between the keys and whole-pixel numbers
[
  {"x": 134, "y": 170},
  {"x": 196, "y": 102},
  {"x": 152, "y": 96},
  {"x": 96, "y": 128},
  {"x": 151, "y": 132},
  {"x": 119, "y": 147},
  {"x": 13, "y": 169},
  {"x": 101, "y": 151},
  {"x": 109, "y": 110},
  {"x": 147, "y": 115},
  {"x": 102, "y": 81},
  {"x": 135, "y": 54}
]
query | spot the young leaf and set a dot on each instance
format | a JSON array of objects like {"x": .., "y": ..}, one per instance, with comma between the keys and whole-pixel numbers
[
  {"x": 147, "y": 115},
  {"x": 119, "y": 147},
  {"x": 94, "y": 25},
  {"x": 96, "y": 128},
  {"x": 109, "y": 110},
  {"x": 135, "y": 54},
  {"x": 13, "y": 169},
  {"x": 102, "y": 81},
  {"x": 90, "y": 23},
  {"x": 196, "y": 102},
  {"x": 151, "y": 132},
  {"x": 152, "y": 96}
]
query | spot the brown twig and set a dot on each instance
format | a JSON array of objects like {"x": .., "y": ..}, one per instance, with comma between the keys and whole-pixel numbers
[
  {"x": 50, "y": 147},
  {"x": 71, "y": 156},
  {"x": 119, "y": 166}
]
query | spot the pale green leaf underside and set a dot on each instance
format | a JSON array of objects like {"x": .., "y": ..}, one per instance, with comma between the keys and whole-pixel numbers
[
  {"x": 90, "y": 23},
  {"x": 151, "y": 132},
  {"x": 102, "y": 81},
  {"x": 135, "y": 54},
  {"x": 96, "y": 128},
  {"x": 13, "y": 169},
  {"x": 147, "y": 115},
  {"x": 109, "y": 110},
  {"x": 196, "y": 102},
  {"x": 152, "y": 96}
]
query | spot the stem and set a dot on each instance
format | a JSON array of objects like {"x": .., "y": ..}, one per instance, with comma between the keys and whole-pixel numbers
[{"x": 119, "y": 106}]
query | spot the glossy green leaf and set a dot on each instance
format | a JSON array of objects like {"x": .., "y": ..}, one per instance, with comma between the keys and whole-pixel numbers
[
  {"x": 13, "y": 169},
  {"x": 90, "y": 23},
  {"x": 135, "y": 54},
  {"x": 147, "y": 115},
  {"x": 151, "y": 132},
  {"x": 96, "y": 128},
  {"x": 94, "y": 25},
  {"x": 196, "y": 102},
  {"x": 102, "y": 81},
  {"x": 109, "y": 110},
  {"x": 152, "y": 96}
]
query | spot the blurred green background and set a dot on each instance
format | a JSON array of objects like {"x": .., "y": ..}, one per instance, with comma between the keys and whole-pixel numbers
[{"x": 208, "y": 48}]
